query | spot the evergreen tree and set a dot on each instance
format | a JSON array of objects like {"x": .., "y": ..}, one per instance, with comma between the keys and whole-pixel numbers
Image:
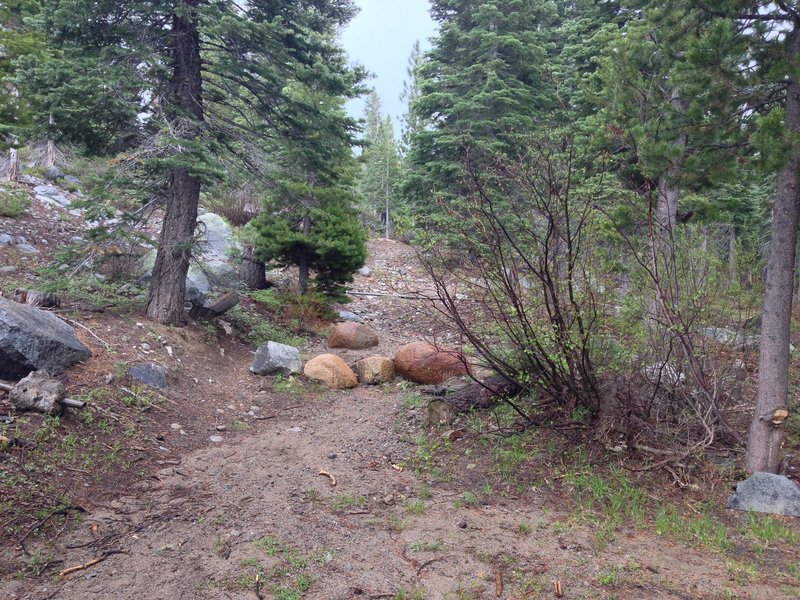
[
  {"x": 412, "y": 123},
  {"x": 483, "y": 88},
  {"x": 380, "y": 165},
  {"x": 216, "y": 75},
  {"x": 17, "y": 40},
  {"x": 309, "y": 219},
  {"x": 743, "y": 60}
]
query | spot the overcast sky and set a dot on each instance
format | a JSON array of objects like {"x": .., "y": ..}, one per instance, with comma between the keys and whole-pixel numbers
[{"x": 380, "y": 38}]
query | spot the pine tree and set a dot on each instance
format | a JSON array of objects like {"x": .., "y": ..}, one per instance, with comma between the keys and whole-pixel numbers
[
  {"x": 742, "y": 60},
  {"x": 412, "y": 123},
  {"x": 309, "y": 219},
  {"x": 17, "y": 40},
  {"x": 483, "y": 88},
  {"x": 217, "y": 75},
  {"x": 380, "y": 165}
]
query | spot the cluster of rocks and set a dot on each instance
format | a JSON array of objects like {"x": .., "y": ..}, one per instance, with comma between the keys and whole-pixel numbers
[
  {"x": 20, "y": 244},
  {"x": 420, "y": 362}
]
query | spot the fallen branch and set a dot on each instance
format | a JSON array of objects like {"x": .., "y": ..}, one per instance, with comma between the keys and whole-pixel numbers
[
  {"x": 329, "y": 476},
  {"x": 86, "y": 565},
  {"x": 417, "y": 296},
  {"x": 72, "y": 403},
  {"x": 92, "y": 333},
  {"x": 217, "y": 308}
]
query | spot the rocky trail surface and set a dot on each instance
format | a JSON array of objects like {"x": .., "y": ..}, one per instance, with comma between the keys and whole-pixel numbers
[{"x": 336, "y": 495}]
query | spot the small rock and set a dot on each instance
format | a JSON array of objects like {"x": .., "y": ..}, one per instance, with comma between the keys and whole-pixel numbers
[
  {"x": 331, "y": 371},
  {"x": 352, "y": 336},
  {"x": 221, "y": 428},
  {"x": 295, "y": 429},
  {"x": 462, "y": 524},
  {"x": 365, "y": 271},
  {"x": 151, "y": 374},
  {"x": 767, "y": 493},
  {"x": 350, "y": 316},
  {"x": 27, "y": 249},
  {"x": 6, "y": 240},
  {"x": 145, "y": 347},
  {"x": 273, "y": 358},
  {"x": 53, "y": 173},
  {"x": 175, "y": 426},
  {"x": 38, "y": 392},
  {"x": 216, "y": 439},
  {"x": 8, "y": 269},
  {"x": 375, "y": 370}
]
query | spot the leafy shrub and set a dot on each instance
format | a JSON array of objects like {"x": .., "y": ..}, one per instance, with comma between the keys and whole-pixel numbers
[
  {"x": 259, "y": 330},
  {"x": 14, "y": 201}
]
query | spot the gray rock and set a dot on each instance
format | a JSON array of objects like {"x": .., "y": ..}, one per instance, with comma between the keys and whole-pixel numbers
[
  {"x": 53, "y": 173},
  {"x": 365, "y": 271},
  {"x": 8, "y": 269},
  {"x": 38, "y": 392},
  {"x": 767, "y": 493},
  {"x": 737, "y": 341},
  {"x": 48, "y": 191},
  {"x": 216, "y": 439},
  {"x": 350, "y": 316},
  {"x": 27, "y": 249},
  {"x": 215, "y": 251},
  {"x": 34, "y": 340},
  {"x": 6, "y": 239},
  {"x": 151, "y": 374},
  {"x": 73, "y": 180},
  {"x": 273, "y": 358}
]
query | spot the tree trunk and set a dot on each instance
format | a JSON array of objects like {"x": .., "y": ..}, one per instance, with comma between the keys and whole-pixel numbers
[
  {"x": 168, "y": 285},
  {"x": 733, "y": 274},
  {"x": 13, "y": 165},
  {"x": 764, "y": 441},
  {"x": 302, "y": 278},
  {"x": 253, "y": 272}
]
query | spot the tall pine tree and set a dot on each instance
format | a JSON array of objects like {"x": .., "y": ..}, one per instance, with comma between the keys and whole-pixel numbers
[{"x": 483, "y": 88}]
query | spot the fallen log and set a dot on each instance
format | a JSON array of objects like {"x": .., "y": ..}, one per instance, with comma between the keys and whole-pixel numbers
[
  {"x": 479, "y": 394},
  {"x": 36, "y": 298},
  {"x": 219, "y": 307}
]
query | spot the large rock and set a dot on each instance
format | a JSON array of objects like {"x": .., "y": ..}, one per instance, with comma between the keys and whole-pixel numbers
[
  {"x": 375, "y": 370},
  {"x": 331, "y": 371},
  {"x": 273, "y": 358},
  {"x": 35, "y": 340},
  {"x": 212, "y": 266},
  {"x": 767, "y": 493},
  {"x": 215, "y": 251},
  {"x": 38, "y": 392},
  {"x": 422, "y": 362},
  {"x": 352, "y": 336},
  {"x": 152, "y": 375}
]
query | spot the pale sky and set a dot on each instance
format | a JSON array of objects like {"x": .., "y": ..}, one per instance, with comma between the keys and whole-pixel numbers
[{"x": 380, "y": 38}]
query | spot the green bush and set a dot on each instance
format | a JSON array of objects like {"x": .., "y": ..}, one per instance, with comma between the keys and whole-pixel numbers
[{"x": 13, "y": 200}]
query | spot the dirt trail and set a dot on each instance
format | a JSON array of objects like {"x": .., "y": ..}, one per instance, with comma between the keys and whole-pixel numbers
[{"x": 253, "y": 517}]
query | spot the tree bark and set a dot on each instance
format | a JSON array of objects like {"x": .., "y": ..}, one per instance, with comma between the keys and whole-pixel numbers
[
  {"x": 168, "y": 284},
  {"x": 13, "y": 165},
  {"x": 252, "y": 271},
  {"x": 302, "y": 264},
  {"x": 764, "y": 441}
]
